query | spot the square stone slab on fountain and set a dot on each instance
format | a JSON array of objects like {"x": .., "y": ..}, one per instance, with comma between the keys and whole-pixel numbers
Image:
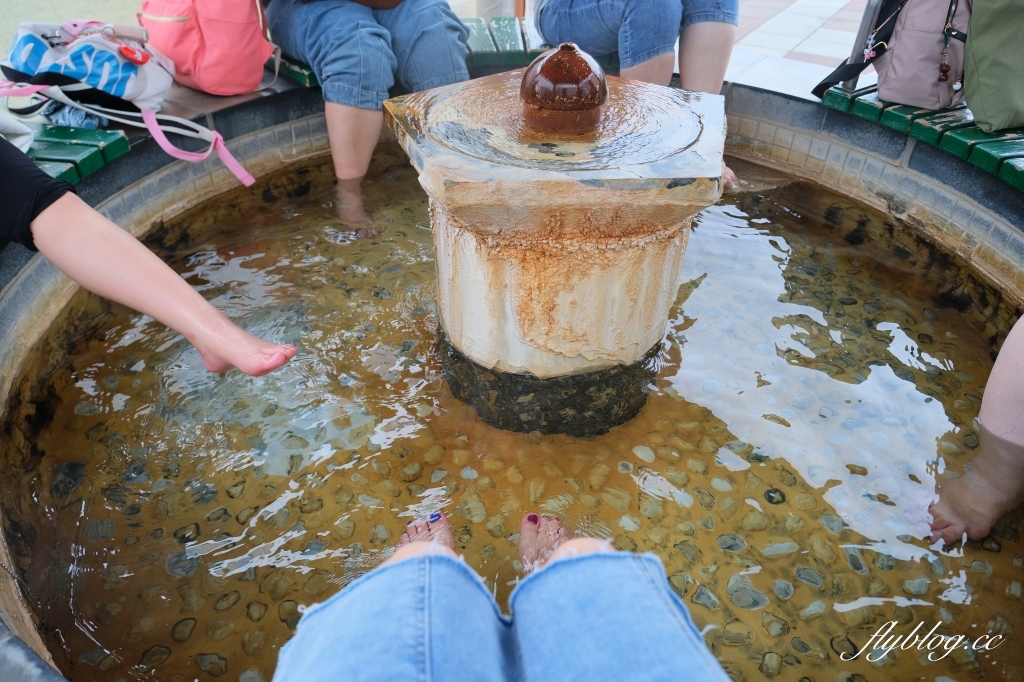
[{"x": 657, "y": 157}]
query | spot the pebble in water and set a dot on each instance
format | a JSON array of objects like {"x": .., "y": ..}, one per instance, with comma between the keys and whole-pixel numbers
[
  {"x": 706, "y": 499},
  {"x": 771, "y": 664},
  {"x": 721, "y": 485},
  {"x": 218, "y": 629},
  {"x": 182, "y": 630},
  {"x": 743, "y": 593},
  {"x": 252, "y": 641},
  {"x": 617, "y": 498},
  {"x": 754, "y": 521},
  {"x": 916, "y": 586},
  {"x": 705, "y": 598},
  {"x": 834, "y": 524},
  {"x": 775, "y": 626},
  {"x": 688, "y": 549},
  {"x": 644, "y": 453},
  {"x": 212, "y": 664},
  {"x": 154, "y": 656},
  {"x": 780, "y": 548},
  {"x": 736, "y": 633},
  {"x": 854, "y": 560},
  {"x": 814, "y": 610},
  {"x": 731, "y": 543},
  {"x": 809, "y": 576},
  {"x": 496, "y": 526}
]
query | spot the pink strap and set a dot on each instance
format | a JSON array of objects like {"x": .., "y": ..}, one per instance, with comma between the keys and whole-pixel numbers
[
  {"x": 19, "y": 91},
  {"x": 218, "y": 145}
]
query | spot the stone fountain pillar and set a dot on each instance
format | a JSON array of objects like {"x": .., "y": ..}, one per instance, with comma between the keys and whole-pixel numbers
[{"x": 561, "y": 203}]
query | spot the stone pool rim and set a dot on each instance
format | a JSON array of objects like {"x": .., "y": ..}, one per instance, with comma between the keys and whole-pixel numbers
[{"x": 945, "y": 200}]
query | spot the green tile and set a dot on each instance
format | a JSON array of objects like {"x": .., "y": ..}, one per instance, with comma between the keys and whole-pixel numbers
[
  {"x": 296, "y": 71},
  {"x": 901, "y": 117},
  {"x": 535, "y": 43},
  {"x": 931, "y": 128},
  {"x": 482, "y": 50},
  {"x": 61, "y": 171},
  {"x": 113, "y": 144},
  {"x": 842, "y": 100},
  {"x": 869, "y": 107},
  {"x": 508, "y": 37},
  {"x": 990, "y": 155},
  {"x": 1012, "y": 171},
  {"x": 87, "y": 160},
  {"x": 959, "y": 142}
]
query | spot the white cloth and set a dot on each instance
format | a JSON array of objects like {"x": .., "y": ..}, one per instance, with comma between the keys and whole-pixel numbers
[{"x": 16, "y": 132}]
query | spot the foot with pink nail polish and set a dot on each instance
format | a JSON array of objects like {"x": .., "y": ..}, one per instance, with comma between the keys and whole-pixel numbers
[
  {"x": 543, "y": 539},
  {"x": 430, "y": 535}
]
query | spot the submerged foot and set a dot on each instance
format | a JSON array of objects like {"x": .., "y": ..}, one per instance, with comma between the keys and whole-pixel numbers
[
  {"x": 430, "y": 535},
  {"x": 970, "y": 504},
  {"x": 539, "y": 537},
  {"x": 223, "y": 345},
  {"x": 434, "y": 528},
  {"x": 728, "y": 176},
  {"x": 348, "y": 204}
]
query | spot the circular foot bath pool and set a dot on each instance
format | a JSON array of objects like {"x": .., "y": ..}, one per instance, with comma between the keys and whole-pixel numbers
[{"x": 821, "y": 368}]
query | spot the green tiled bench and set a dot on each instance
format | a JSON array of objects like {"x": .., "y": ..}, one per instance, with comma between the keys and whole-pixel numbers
[
  {"x": 506, "y": 42},
  {"x": 952, "y": 130},
  {"x": 74, "y": 154}
]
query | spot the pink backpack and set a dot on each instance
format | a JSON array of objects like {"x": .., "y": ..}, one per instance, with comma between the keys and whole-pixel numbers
[{"x": 217, "y": 46}]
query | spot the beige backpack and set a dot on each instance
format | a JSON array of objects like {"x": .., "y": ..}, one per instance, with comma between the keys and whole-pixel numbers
[{"x": 924, "y": 63}]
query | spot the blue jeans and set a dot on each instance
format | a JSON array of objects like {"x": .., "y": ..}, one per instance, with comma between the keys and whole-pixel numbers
[
  {"x": 356, "y": 52},
  {"x": 602, "y": 616},
  {"x": 638, "y": 30}
]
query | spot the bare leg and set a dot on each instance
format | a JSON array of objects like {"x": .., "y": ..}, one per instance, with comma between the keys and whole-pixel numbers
[
  {"x": 353, "y": 133},
  {"x": 704, "y": 52},
  {"x": 543, "y": 539},
  {"x": 108, "y": 261},
  {"x": 995, "y": 483},
  {"x": 432, "y": 535},
  {"x": 657, "y": 70}
]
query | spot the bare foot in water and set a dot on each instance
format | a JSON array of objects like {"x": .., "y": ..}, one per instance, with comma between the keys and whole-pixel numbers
[
  {"x": 543, "y": 539},
  {"x": 348, "y": 202},
  {"x": 969, "y": 504},
  {"x": 223, "y": 345},
  {"x": 432, "y": 535},
  {"x": 991, "y": 487},
  {"x": 728, "y": 176}
]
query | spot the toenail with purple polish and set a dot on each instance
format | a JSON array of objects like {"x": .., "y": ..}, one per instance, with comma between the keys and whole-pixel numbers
[
  {"x": 533, "y": 518},
  {"x": 435, "y": 517}
]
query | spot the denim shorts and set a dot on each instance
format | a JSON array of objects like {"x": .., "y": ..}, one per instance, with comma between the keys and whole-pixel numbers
[
  {"x": 638, "y": 30},
  {"x": 356, "y": 52},
  {"x": 603, "y": 616}
]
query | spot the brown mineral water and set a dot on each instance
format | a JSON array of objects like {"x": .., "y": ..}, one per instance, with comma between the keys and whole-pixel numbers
[{"x": 820, "y": 369}]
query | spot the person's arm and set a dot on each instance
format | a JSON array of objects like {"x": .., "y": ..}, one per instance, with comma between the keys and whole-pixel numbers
[
  {"x": 44, "y": 214},
  {"x": 109, "y": 262}
]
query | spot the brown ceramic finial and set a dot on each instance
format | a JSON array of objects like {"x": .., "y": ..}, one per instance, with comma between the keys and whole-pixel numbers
[{"x": 562, "y": 91}]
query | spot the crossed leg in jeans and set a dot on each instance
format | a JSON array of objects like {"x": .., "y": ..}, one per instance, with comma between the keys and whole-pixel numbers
[{"x": 584, "y": 612}]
